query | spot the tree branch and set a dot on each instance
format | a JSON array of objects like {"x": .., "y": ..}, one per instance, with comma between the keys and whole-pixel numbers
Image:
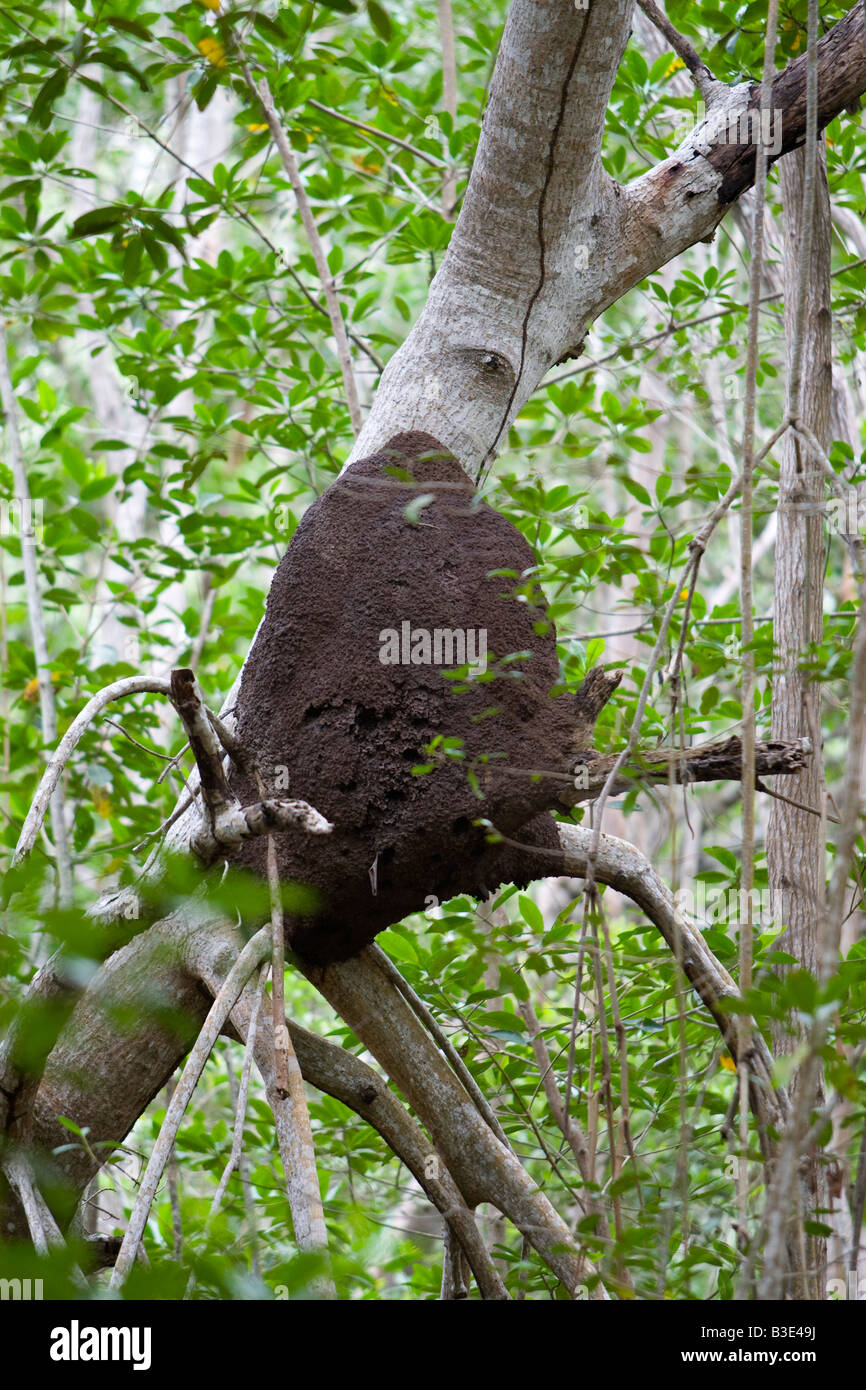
[
  {"x": 36, "y": 617},
  {"x": 130, "y": 685},
  {"x": 683, "y": 199},
  {"x": 339, "y": 1073},
  {"x": 250, "y": 958},
  {"x": 719, "y": 761},
  {"x": 484, "y": 1169},
  {"x": 224, "y": 821},
  {"x": 261, "y": 90},
  {"x": 449, "y": 98},
  {"x": 684, "y": 49}
]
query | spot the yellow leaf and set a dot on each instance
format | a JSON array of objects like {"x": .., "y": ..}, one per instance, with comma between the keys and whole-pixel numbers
[
  {"x": 360, "y": 163},
  {"x": 675, "y": 66},
  {"x": 390, "y": 95},
  {"x": 213, "y": 51},
  {"x": 31, "y": 689},
  {"x": 210, "y": 4},
  {"x": 728, "y": 1062},
  {"x": 258, "y": 127},
  {"x": 101, "y": 802}
]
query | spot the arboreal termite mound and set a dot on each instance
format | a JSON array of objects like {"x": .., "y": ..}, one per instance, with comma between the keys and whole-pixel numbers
[{"x": 400, "y": 545}]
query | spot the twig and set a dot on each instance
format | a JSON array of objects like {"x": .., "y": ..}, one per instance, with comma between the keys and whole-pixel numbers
[
  {"x": 747, "y": 869},
  {"x": 130, "y": 685},
  {"x": 380, "y": 134},
  {"x": 706, "y": 762},
  {"x": 36, "y": 618},
  {"x": 287, "y": 1095},
  {"x": 243, "y": 1168},
  {"x": 449, "y": 99},
  {"x": 173, "y": 1176},
  {"x": 239, "y": 1102},
  {"x": 251, "y": 957},
  {"x": 423, "y": 1014},
  {"x": 799, "y": 805},
  {"x": 571, "y": 1130},
  {"x": 225, "y": 822},
  {"x": 18, "y": 1173},
  {"x": 570, "y": 1127},
  {"x": 622, "y": 1048},
  {"x": 592, "y": 904},
  {"x": 282, "y": 1042},
  {"x": 154, "y": 752},
  {"x": 338, "y": 328},
  {"x": 243, "y": 1091},
  {"x": 173, "y": 763},
  {"x": 704, "y": 80}
]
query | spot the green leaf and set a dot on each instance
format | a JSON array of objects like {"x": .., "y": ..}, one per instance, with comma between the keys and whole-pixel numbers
[
  {"x": 96, "y": 221},
  {"x": 531, "y": 913},
  {"x": 498, "y": 1018},
  {"x": 663, "y": 486},
  {"x": 205, "y": 89},
  {"x": 802, "y": 990},
  {"x": 132, "y": 259},
  {"x": 128, "y": 26},
  {"x": 396, "y": 944},
  {"x": 84, "y": 522},
  {"x": 118, "y": 62},
  {"x": 266, "y": 26},
  {"x": 48, "y": 93},
  {"x": 817, "y": 1228},
  {"x": 412, "y": 511},
  {"x": 97, "y": 488},
  {"x": 637, "y": 490},
  {"x": 155, "y": 250},
  {"x": 379, "y": 19}
]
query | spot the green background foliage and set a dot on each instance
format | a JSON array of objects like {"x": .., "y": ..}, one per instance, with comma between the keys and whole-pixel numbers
[{"x": 171, "y": 354}]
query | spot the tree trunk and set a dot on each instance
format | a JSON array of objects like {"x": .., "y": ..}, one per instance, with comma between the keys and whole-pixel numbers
[{"x": 796, "y": 836}]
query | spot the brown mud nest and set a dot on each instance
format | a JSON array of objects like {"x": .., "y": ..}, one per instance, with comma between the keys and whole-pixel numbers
[{"x": 399, "y": 547}]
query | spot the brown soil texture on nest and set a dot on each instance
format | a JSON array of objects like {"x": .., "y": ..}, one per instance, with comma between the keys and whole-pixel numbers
[{"x": 317, "y": 699}]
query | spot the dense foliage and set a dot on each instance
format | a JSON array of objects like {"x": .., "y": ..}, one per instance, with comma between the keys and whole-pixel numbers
[{"x": 180, "y": 405}]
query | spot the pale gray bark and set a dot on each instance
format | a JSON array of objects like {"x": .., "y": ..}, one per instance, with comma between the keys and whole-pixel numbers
[
  {"x": 795, "y": 838},
  {"x": 546, "y": 240}
]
